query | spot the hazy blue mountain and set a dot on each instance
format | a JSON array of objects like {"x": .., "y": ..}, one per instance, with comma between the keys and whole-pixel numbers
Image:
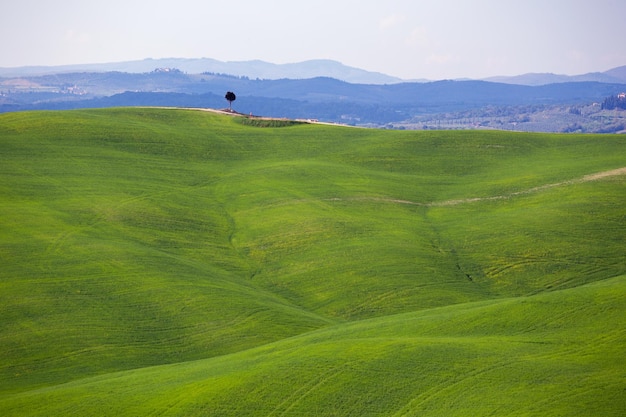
[
  {"x": 250, "y": 69},
  {"x": 302, "y": 70},
  {"x": 615, "y": 75},
  {"x": 618, "y": 73}
]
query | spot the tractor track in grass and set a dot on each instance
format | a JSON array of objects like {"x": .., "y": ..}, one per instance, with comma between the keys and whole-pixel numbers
[
  {"x": 103, "y": 215},
  {"x": 420, "y": 400},
  {"x": 307, "y": 389}
]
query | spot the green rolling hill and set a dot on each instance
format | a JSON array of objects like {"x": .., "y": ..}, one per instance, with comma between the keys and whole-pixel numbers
[{"x": 178, "y": 262}]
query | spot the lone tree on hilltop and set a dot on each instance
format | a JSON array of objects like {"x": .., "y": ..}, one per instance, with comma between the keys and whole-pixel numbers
[{"x": 230, "y": 96}]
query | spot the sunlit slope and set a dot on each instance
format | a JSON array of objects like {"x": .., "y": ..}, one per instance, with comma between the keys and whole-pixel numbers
[
  {"x": 545, "y": 355},
  {"x": 359, "y": 223},
  {"x": 114, "y": 256},
  {"x": 140, "y": 237}
]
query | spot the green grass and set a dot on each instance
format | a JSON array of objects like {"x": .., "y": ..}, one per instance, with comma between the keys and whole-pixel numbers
[
  {"x": 180, "y": 262},
  {"x": 540, "y": 355}
]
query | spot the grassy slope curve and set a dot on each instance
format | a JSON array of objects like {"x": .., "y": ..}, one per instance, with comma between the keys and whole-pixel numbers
[
  {"x": 511, "y": 357},
  {"x": 132, "y": 238}
]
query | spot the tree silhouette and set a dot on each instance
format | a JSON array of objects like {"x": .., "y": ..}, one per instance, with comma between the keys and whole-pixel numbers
[{"x": 230, "y": 96}]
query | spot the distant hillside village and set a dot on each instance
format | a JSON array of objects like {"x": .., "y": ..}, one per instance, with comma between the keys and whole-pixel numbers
[{"x": 615, "y": 102}]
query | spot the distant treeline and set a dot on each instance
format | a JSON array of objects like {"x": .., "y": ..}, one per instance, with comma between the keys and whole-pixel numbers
[{"x": 615, "y": 102}]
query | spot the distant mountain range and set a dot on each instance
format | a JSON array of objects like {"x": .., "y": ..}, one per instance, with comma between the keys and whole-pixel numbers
[
  {"x": 324, "y": 90},
  {"x": 615, "y": 75},
  {"x": 251, "y": 69},
  {"x": 301, "y": 70}
]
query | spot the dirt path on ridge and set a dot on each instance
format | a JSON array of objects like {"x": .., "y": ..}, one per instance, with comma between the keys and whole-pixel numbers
[
  {"x": 587, "y": 178},
  {"x": 600, "y": 175}
]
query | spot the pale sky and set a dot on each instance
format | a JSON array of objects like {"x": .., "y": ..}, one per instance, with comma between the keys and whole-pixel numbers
[{"x": 411, "y": 39}]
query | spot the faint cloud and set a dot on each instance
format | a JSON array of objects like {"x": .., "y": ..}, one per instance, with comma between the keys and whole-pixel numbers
[
  {"x": 440, "y": 59},
  {"x": 418, "y": 37},
  {"x": 497, "y": 64},
  {"x": 576, "y": 55},
  {"x": 75, "y": 37},
  {"x": 390, "y": 22}
]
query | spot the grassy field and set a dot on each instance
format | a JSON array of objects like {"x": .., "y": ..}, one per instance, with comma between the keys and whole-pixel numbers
[{"x": 176, "y": 262}]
